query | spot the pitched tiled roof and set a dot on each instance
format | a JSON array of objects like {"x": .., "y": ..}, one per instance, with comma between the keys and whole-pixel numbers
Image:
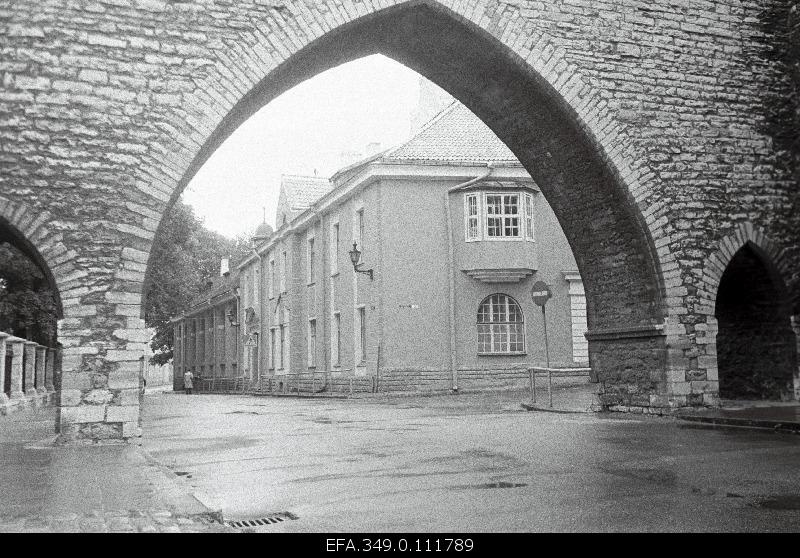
[
  {"x": 221, "y": 286},
  {"x": 302, "y": 191},
  {"x": 455, "y": 135}
]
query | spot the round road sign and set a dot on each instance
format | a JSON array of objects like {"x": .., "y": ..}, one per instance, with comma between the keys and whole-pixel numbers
[{"x": 540, "y": 293}]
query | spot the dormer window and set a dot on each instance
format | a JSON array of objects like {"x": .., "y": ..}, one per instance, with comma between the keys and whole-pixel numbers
[{"x": 498, "y": 216}]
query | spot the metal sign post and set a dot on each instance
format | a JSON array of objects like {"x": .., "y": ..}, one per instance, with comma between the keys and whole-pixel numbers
[{"x": 541, "y": 293}]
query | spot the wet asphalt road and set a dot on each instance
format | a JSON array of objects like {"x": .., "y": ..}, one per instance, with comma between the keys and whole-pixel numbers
[{"x": 470, "y": 464}]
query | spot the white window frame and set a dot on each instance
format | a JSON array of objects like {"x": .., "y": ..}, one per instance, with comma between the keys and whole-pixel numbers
[
  {"x": 335, "y": 237},
  {"x": 311, "y": 253},
  {"x": 529, "y": 217},
  {"x": 503, "y": 216},
  {"x": 507, "y": 333},
  {"x": 478, "y": 217},
  {"x": 312, "y": 342}
]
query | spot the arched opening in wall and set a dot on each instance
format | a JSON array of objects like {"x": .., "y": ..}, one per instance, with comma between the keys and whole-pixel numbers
[
  {"x": 30, "y": 305},
  {"x": 592, "y": 204},
  {"x": 756, "y": 347}
]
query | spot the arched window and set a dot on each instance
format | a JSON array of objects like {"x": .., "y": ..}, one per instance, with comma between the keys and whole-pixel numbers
[{"x": 501, "y": 327}]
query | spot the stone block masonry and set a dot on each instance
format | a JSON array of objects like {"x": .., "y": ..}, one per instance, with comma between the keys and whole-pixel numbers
[{"x": 642, "y": 123}]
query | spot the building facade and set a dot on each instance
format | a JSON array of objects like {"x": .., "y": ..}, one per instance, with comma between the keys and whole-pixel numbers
[{"x": 453, "y": 233}]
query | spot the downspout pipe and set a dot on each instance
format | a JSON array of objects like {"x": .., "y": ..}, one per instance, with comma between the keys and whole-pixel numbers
[{"x": 452, "y": 270}]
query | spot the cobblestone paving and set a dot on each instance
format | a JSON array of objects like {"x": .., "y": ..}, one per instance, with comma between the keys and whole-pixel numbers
[{"x": 121, "y": 521}]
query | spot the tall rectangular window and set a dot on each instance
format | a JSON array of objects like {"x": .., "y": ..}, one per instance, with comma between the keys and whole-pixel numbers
[
  {"x": 310, "y": 256},
  {"x": 283, "y": 271},
  {"x": 336, "y": 339},
  {"x": 472, "y": 217},
  {"x": 358, "y": 229},
  {"x": 334, "y": 248},
  {"x": 272, "y": 349},
  {"x": 502, "y": 215},
  {"x": 361, "y": 334},
  {"x": 529, "y": 217},
  {"x": 271, "y": 279},
  {"x": 256, "y": 282},
  {"x": 282, "y": 350},
  {"x": 312, "y": 343}
]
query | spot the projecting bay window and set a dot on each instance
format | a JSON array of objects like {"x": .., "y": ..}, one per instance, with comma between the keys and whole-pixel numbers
[
  {"x": 501, "y": 327},
  {"x": 498, "y": 216}
]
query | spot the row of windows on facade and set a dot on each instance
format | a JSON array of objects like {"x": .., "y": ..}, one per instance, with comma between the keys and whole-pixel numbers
[
  {"x": 489, "y": 216},
  {"x": 500, "y": 328}
]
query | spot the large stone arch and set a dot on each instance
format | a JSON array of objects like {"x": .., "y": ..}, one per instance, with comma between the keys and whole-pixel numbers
[{"x": 107, "y": 111}]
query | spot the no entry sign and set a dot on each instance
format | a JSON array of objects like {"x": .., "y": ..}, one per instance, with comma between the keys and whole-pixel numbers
[{"x": 540, "y": 293}]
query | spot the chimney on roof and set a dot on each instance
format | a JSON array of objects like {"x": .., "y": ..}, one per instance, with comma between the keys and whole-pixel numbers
[
  {"x": 372, "y": 148},
  {"x": 225, "y": 267}
]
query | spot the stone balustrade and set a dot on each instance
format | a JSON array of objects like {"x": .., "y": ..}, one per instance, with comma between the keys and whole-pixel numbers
[{"x": 26, "y": 373}]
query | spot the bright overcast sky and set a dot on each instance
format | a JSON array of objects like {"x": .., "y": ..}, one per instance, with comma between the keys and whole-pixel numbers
[{"x": 305, "y": 129}]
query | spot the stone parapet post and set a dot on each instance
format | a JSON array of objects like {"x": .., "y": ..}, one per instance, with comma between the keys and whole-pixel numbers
[
  {"x": 41, "y": 358},
  {"x": 16, "y": 346},
  {"x": 49, "y": 369},
  {"x": 30, "y": 369}
]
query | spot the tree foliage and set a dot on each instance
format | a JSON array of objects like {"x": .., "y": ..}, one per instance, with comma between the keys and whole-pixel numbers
[
  {"x": 185, "y": 256},
  {"x": 27, "y": 305}
]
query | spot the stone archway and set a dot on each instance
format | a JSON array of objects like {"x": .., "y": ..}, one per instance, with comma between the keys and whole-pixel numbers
[
  {"x": 750, "y": 346},
  {"x": 108, "y": 111}
]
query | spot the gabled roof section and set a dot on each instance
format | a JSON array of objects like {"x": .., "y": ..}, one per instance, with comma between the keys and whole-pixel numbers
[
  {"x": 455, "y": 135},
  {"x": 303, "y": 191}
]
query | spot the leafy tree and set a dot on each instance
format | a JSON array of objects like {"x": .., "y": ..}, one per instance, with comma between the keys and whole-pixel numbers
[
  {"x": 27, "y": 305},
  {"x": 185, "y": 255}
]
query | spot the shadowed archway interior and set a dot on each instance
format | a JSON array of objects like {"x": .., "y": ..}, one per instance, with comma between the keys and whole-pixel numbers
[{"x": 756, "y": 346}]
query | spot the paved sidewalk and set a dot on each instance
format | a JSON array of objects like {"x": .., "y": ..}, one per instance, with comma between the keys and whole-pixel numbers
[
  {"x": 99, "y": 488},
  {"x": 753, "y": 414}
]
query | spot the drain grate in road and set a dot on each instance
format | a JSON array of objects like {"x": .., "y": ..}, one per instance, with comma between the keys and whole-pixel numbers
[{"x": 271, "y": 519}]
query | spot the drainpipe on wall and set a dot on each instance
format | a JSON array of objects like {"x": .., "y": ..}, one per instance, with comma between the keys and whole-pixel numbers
[{"x": 451, "y": 268}]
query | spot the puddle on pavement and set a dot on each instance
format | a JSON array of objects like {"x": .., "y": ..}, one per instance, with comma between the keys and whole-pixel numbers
[
  {"x": 779, "y": 502},
  {"x": 243, "y": 413}
]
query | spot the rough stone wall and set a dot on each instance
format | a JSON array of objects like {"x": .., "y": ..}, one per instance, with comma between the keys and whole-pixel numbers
[{"x": 108, "y": 107}]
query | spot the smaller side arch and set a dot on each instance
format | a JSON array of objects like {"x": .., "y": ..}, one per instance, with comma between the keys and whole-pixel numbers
[
  {"x": 29, "y": 230},
  {"x": 749, "y": 336}
]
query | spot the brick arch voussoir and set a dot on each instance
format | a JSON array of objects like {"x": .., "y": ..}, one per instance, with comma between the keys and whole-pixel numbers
[{"x": 726, "y": 249}]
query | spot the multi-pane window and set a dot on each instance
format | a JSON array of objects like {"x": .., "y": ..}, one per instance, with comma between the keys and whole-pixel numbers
[
  {"x": 358, "y": 229},
  {"x": 502, "y": 215},
  {"x": 472, "y": 212},
  {"x": 528, "y": 216},
  {"x": 271, "y": 279},
  {"x": 334, "y": 246},
  {"x": 497, "y": 216},
  {"x": 336, "y": 339},
  {"x": 361, "y": 333},
  {"x": 311, "y": 256},
  {"x": 501, "y": 328},
  {"x": 312, "y": 342}
]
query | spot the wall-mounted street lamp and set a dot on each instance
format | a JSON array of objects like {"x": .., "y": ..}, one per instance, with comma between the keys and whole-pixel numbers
[{"x": 355, "y": 257}]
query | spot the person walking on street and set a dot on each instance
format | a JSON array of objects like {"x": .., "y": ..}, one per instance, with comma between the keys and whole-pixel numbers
[{"x": 187, "y": 382}]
